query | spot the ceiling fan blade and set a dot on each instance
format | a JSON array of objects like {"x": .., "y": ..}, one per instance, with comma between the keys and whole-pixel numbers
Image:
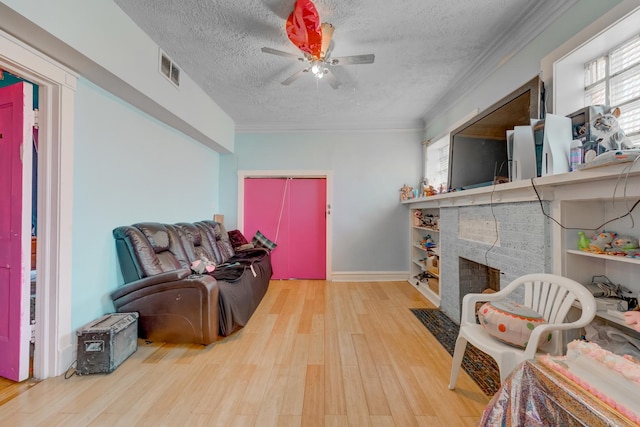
[
  {"x": 355, "y": 59},
  {"x": 281, "y": 53},
  {"x": 329, "y": 51},
  {"x": 294, "y": 77},
  {"x": 331, "y": 79}
]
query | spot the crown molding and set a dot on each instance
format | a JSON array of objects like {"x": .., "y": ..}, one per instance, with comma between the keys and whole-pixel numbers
[
  {"x": 533, "y": 21},
  {"x": 399, "y": 126}
]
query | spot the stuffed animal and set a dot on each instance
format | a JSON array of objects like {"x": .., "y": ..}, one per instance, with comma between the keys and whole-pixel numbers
[
  {"x": 623, "y": 244},
  {"x": 202, "y": 266},
  {"x": 632, "y": 318},
  {"x": 600, "y": 242},
  {"x": 429, "y": 191}
]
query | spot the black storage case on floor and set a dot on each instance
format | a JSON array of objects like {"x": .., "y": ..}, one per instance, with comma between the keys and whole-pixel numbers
[{"x": 107, "y": 342}]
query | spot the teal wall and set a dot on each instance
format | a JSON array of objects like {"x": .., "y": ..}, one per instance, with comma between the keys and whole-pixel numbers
[
  {"x": 9, "y": 79},
  {"x": 370, "y": 231},
  {"x": 128, "y": 168}
]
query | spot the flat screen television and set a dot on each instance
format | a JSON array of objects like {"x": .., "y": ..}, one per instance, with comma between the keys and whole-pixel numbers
[{"x": 478, "y": 148}]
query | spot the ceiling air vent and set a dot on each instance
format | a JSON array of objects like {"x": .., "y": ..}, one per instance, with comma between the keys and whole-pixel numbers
[{"x": 169, "y": 69}]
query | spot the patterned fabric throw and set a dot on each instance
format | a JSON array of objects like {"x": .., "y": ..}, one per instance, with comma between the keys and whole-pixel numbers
[
  {"x": 237, "y": 239},
  {"x": 260, "y": 240}
]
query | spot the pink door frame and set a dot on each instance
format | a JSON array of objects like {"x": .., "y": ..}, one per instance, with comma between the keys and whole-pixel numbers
[
  {"x": 16, "y": 130},
  {"x": 327, "y": 175}
]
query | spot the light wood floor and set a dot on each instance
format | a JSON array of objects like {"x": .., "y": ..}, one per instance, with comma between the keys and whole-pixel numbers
[{"x": 315, "y": 353}]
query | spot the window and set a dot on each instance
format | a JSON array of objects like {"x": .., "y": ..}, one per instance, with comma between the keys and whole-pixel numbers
[
  {"x": 436, "y": 155},
  {"x": 437, "y": 167},
  {"x": 614, "y": 79}
]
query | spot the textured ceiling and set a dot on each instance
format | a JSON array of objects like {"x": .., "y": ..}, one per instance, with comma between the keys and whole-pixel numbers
[{"x": 421, "y": 47}]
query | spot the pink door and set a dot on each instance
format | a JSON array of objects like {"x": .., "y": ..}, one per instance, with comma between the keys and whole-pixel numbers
[
  {"x": 291, "y": 212},
  {"x": 15, "y": 150}
]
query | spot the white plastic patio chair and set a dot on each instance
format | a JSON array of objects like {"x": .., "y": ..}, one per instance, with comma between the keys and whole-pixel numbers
[{"x": 550, "y": 295}]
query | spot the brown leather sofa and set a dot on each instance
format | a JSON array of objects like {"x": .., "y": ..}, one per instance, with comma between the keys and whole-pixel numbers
[{"x": 176, "y": 305}]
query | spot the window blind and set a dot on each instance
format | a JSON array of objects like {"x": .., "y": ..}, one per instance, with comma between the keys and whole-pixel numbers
[{"x": 614, "y": 79}]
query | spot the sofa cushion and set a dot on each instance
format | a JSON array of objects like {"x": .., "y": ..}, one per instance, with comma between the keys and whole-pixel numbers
[
  {"x": 209, "y": 240},
  {"x": 191, "y": 232},
  {"x": 226, "y": 250},
  {"x": 158, "y": 237},
  {"x": 156, "y": 234}
]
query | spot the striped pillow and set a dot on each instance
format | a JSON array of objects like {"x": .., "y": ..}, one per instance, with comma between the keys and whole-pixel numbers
[{"x": 260, "y": 240}]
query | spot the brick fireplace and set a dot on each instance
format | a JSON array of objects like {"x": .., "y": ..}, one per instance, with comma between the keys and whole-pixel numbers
[
  {"x": 476, "y": 278},
  {"x": 488, "y": 246}
]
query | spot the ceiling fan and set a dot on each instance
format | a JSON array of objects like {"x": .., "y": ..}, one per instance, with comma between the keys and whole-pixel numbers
[{"x": 314, "y": 40}]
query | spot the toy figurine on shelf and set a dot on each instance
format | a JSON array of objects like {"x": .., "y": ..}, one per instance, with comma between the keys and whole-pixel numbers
[
  {"x": 583, "y": 241},
  {"x": 406, "y": 192},
  {"x": 428, "y": 242},
  {"x": 417, "y": 218},
  {"x": 429, "y": 191}
]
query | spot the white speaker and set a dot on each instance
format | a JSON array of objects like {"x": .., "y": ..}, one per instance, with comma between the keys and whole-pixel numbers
[
  {"x": 524, "y": 154},
  {"x": 510, "y": 152},
  {"x": 556, "y": 144}
]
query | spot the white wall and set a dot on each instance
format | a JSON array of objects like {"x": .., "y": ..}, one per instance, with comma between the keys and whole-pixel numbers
[
  {"x": 128, "y": 168},
  {"x": 522, "y": 66},
  {"x": 370, "y": 227}
]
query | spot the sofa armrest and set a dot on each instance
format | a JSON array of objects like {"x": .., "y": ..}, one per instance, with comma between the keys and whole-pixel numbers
[
  {"x": 169, "y": 276},
  {"x": 175, "y": 307}
]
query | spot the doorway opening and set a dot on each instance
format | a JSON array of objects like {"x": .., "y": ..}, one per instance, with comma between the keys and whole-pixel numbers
[
  {"x": 56, "y": 87},
  {"x": 8, "y": 79}
]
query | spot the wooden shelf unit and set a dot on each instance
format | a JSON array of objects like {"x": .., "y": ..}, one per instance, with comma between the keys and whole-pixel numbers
[{"x": 419, "y": 268}]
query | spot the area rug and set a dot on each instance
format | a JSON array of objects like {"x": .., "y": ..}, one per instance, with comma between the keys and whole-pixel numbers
[{"x": 482, "y": 368}]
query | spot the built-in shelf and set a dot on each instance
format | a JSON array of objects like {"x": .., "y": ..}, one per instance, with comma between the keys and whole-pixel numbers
[
  {"x": 603, "y": 256},
  {"x": 616, "y": 318},
  {"x": 435, "y": 275},
  {"x": 426, "y": 229},
  {"x": 427, "y": 282},
  {"x": 613, "y": 319}
]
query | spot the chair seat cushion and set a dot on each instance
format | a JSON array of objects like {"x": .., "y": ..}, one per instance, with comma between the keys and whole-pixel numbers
[{"x": 510, "y": 322}]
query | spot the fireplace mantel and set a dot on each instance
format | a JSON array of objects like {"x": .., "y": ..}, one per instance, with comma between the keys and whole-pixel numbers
[
  {"x": 521, "y": 191},
  {"x": 530, "y": 242}
]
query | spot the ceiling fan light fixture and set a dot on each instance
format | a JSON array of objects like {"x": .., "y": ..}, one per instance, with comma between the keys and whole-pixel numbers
[{"x": 316, "y": 67}]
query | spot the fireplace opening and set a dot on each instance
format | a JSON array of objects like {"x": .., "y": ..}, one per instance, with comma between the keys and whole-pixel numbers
[{"x": 477, "y": 278}]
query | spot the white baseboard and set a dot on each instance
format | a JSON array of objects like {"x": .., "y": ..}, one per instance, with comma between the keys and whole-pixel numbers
[
  {"x": 369, "y": 276},
  {"x": 66, "y": 356}
]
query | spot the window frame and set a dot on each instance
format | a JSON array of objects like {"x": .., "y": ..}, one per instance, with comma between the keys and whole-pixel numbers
[{"x": 567, "y": 69}]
